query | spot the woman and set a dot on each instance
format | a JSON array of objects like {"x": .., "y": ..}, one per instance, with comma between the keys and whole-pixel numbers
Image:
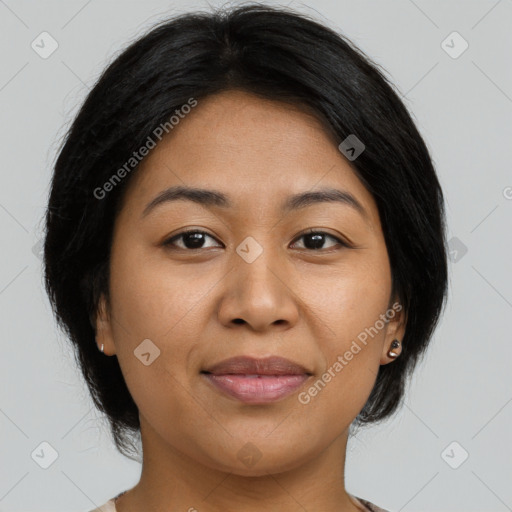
[{"x": 245, "y": 243}]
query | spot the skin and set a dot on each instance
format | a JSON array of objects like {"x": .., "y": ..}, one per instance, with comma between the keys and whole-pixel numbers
[{"x": 201, "y": 306}]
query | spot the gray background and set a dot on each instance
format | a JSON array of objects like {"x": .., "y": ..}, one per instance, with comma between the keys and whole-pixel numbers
[{"x": 462, "y": 392}]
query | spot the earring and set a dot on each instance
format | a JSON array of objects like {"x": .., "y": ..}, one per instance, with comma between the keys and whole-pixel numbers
[
  {"x": 391, "y": 352},
  {"x": 101, "y": 349}
]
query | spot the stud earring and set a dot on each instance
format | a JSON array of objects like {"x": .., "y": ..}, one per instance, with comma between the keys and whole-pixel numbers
[
  {"x": 101, "y": 349},
  {"x": 391, "y": 352}
]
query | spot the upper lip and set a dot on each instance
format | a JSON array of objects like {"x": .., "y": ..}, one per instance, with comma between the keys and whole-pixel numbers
[{"x": 273, "y": 365}]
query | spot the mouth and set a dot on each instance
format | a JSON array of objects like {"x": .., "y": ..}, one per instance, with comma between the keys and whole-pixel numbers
[
  {"x": 257, "y": 381},
  {"x": 256, "y": 389}
]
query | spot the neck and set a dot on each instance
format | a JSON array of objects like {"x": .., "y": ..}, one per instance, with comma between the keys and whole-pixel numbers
[{"x": 171, "y": 478}]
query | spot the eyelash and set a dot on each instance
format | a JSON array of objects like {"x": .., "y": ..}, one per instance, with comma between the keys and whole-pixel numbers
[{"x": 169, "y": 243}]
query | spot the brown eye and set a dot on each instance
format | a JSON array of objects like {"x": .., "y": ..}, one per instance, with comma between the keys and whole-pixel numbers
[
  {"x": 191, "y": 240},
  {"x": 315, "y": 240}
]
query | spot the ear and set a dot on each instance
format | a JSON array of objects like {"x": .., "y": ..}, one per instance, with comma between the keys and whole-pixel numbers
[
  {"x": 395, "y": 330},
  {"x": 103, "y": 325}
]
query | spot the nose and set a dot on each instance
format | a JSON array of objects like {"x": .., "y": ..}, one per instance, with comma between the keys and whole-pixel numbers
[{"x": 259, "y": 294}]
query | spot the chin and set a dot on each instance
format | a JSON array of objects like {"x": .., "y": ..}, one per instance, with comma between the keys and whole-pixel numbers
[{"x": 258, "y": 459}]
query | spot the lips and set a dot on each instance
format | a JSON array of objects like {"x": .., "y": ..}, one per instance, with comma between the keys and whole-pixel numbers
[
  {"x": 244, "y": 365},
  {"x": 257, "y": 381}
]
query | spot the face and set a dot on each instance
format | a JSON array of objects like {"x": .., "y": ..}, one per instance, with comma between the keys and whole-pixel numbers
[{"x": 258, "y": 276}]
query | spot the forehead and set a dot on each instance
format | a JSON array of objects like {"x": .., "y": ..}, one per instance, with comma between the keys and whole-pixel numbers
[{"x": 255, "y": 150}]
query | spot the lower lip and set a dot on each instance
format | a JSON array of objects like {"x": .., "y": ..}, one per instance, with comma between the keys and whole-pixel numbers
[{"x": 257, "y": 390}]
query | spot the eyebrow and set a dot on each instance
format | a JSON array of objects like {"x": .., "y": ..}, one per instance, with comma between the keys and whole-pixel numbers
[{"x": 215, "y": 198}]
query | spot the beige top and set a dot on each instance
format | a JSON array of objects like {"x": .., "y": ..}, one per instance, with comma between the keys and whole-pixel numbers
[{"x": 364, "y": 505}]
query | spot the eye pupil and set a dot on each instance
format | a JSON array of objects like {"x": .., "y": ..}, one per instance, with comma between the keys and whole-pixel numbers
[
  {"x": 196, "y": 238},
  {"x": 317, "y": 241}
]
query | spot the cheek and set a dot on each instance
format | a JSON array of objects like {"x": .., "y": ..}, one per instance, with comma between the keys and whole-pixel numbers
[
  {"x": 350, "y": 335},
  {"x": 152, "y": 297},
  {"x": 349, "y": 298},
  {"x": 154, "y": 302}
]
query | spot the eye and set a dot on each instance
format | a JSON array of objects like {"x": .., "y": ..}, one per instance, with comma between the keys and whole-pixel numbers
[
  {"x": 315, "y": 240},
  {"x": 192, "y": 239},
  {"x": 195, "y": 239}
]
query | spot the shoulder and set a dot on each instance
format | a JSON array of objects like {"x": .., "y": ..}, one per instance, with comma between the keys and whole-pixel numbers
[
  {"x": 109, "y": 506},
  {"x": 371, "y": 507}
]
